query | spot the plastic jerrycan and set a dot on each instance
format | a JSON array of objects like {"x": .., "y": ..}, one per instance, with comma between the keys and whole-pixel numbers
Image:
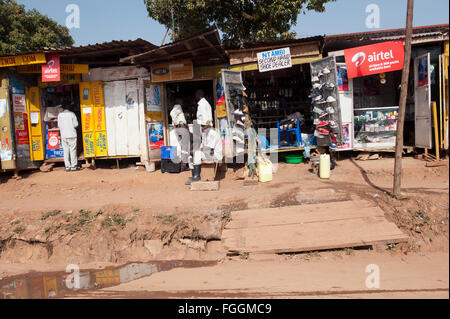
[
  {"x": 324, "y": 166},
  {"x": 264, "y": 171}
]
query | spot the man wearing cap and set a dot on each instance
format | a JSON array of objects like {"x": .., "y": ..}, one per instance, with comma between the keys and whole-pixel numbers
[{"x": 203, "y": 123}]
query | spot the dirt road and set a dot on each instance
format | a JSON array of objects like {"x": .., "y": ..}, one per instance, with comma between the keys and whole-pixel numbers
[
  {"x": 328, "y": 275},
  {"x": 110, "y": 217}
]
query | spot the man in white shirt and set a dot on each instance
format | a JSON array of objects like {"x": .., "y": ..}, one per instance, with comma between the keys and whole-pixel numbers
[
  {"x": 67, "y": 124},
  {"x": 181, "y": 132},
  {"x": 203, "y": 123},
  {"x": 177, "y": 114}
]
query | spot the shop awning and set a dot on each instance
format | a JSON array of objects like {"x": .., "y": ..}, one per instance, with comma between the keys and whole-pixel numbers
[
  {"x": 107, "y": 53},
  {"x": 202, "y": 49}
]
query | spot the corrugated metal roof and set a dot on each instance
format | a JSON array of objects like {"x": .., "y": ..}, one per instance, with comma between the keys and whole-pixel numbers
[
  {"x": 203, "y": 49},
  {"x": 416, "y": 30},
  {"x": 415, "y": 36},
  {"x": 274, "y": 43},
  {"x": 422, "y": 34},
  {"x": 98, "y": 49}
]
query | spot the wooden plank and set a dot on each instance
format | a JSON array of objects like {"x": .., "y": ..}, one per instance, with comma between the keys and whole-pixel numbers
[
  {"x": 435, "y": 164},
  {"x": 132, "y": 118},
  {"x": 121, "y": 118},
  {"x": 313, "y": 236},
  {"x": 302, "y": 214},
  {"x": 208, "y": 173},
  {"x": 205, "y": 186},
  {"x": 333, "y": 207}
]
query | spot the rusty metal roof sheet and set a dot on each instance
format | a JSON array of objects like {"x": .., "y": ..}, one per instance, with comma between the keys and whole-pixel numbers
[
  {"x": 275, "y": 43},
  {"x": 422, "y": 34},
  {"x": 203, "y": 49},
  {"x": 98, "y": 49}
]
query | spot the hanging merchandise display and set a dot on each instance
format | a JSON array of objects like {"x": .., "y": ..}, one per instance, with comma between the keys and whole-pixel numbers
[
  {"x": 234, "y": 100},
  {"x": 325, "y": 103},
  {"x": 233, "y": 88},
  {"x": 243, "y": 134}
]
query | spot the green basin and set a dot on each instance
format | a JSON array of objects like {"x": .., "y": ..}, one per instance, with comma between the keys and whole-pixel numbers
[{"x": 294, "y": 159}]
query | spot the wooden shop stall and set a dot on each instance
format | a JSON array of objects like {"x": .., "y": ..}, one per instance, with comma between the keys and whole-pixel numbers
[
  {"x": 36, "y": 87},
  {"x": 178, "y": 70},
  {"x": 276, "y": 76},
  {"x": 369, "y": 100}
]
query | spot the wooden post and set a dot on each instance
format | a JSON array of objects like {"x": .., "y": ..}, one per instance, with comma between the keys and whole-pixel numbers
[
  {"x": 402, "y": 105},
  {"x": 436, "y": 130},
  {"x": 441, "y": 144}
]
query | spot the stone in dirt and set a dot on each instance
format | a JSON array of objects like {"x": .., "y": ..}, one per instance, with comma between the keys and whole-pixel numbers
[
  {"x": 241, "y": 173},
  {"x": 87, "y": 165},
  {"x": 363, "y": 157},
  {"x": 212, "y": 229},
  {"x": 194, "y": 244},
  {"x": 46, "y": 168}
]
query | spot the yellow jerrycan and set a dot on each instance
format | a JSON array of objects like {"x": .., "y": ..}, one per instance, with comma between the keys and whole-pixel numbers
[
  {"x": 324, "y": 166},
  {"x": 264, "y": 171}
]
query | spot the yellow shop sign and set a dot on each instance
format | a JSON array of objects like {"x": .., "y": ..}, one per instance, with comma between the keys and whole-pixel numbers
[
  {"x": 35, "y": 58},
  {"x": 65, "y": 69},
  {"x": 172, "y": 71},
  {"x": 66, "y": 79}
]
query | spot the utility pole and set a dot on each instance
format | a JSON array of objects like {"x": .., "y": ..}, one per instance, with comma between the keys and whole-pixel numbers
[
  {"x": 173, "y": 25},
  {"x": 164, "y": 39},
  {"x": 402, "y": 105}
]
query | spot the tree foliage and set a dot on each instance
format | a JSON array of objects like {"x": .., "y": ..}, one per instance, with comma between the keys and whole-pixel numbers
[
  {"x": 22, "y": 30},
  {"x": 241, "y": 21}
]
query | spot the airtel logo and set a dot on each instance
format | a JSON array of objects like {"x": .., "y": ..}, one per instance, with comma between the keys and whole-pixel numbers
[
  {"x": 51, "y": 63},
  {"x": 359, "y": 58}
]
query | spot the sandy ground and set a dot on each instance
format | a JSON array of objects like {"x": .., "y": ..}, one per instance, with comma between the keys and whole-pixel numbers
[
  {"x": 38, "y": 192},
  {"x": 421, "y": 272},
  {"x": 331, "y": 275}
]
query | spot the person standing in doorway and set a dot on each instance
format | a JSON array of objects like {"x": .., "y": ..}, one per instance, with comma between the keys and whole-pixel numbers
[
  {"x": 67, "y": 124},
  {"x": 182, "y": 132},
  {"x": 201, "y": 125}
]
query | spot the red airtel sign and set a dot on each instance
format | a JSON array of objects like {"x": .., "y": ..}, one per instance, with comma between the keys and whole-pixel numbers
[
  {"x": 374, "y": 59},
  {"x": 51, "y": 71}
]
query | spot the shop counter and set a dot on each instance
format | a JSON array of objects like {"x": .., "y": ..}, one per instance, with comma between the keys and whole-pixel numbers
[{"x": 285, "y": 149}]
